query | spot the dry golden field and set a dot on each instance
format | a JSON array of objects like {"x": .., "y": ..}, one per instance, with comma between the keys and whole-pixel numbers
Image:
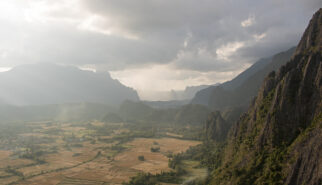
[{"x": 65, "y": 154}]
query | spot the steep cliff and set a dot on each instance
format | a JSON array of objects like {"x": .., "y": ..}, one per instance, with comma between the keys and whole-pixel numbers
[
  {"x": 216, "y": 127},
  {"x": 278, "y": 140}
]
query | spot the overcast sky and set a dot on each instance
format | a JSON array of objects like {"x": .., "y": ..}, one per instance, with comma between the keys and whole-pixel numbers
[{"x": 151, "y": 45}]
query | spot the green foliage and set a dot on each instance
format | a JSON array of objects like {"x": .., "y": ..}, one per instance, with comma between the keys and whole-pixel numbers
[
  {"x": 180, "y": 170},
  {"x": 212, "y": 154},
  {"x": 265, "y": 105},
  {"x": 175, "y": 160}
]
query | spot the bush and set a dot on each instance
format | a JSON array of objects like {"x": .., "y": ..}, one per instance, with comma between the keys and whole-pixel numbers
[
  {"x": 141, "y": 158},
  {"x": 150, "y": 179},
  {"x": 142, "y": 179},
  {"x": 180, "y": 171},
  {"x": 175, "y": 161},
  {"x": 155, "y": 149},
  {"x": 76, "y": 154}
]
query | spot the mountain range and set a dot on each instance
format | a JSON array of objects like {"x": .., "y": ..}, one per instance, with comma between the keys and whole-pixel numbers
[
  {"x": 44, "y": 84},
  {"x": 242, "y": 89}
]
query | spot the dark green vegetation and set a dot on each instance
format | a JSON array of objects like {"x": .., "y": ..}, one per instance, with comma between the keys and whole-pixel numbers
[{"x": 150, "y": 179}]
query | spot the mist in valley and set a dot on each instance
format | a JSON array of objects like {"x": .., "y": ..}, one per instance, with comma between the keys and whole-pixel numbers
[{"x": 124, "y": 92}]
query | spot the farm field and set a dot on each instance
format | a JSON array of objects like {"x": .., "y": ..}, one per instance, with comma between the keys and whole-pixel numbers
[{"x": 54, "y": 153}]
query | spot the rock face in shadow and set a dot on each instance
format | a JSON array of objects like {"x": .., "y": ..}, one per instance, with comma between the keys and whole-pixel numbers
[
  {"x": 219, "y": 123},
  {"x": 278, "y": 141},
  {"x": 216, "y": 127}
]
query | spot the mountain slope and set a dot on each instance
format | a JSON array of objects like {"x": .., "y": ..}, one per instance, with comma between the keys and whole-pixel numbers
[
  {"x": 278, "y": 141},
  {"x": 240, "y": 91},
  {"x": 40, "y": 84}
]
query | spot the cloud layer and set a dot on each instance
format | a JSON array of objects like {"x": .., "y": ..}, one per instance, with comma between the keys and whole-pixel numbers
[{"x": 194, "y": 37}]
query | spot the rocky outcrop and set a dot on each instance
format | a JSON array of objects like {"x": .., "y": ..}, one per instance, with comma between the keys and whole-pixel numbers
[
  {"x": 216, "y": 127},
  {"x": 278, "y": 141},
  {"x": 219, "y": 123},
  {"x": 308, "y": 160}
]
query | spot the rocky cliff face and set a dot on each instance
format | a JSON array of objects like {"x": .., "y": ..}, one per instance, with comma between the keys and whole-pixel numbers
[
  {"x": 219, "y": 123},
  {"x": 278, "y": 141},
  {"x": 216, "y": 127}
]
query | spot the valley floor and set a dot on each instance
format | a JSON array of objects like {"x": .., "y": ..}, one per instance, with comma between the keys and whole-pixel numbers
[{"x": 55, "y": 153}]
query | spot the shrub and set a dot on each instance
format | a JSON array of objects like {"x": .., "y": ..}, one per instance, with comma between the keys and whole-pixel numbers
[
  {"x": 141, "y": 158},
  {"x": 76, "y": 154},
  {"x": 155, "y": 149}
]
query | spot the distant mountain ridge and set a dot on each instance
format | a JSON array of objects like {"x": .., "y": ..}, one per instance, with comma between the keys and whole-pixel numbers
[
  {"x": 189, "y": 92},
  {"x": 42, "y": 84},
  {"x": 176, "y": 95},
  {"x": 240, "y": 91}
]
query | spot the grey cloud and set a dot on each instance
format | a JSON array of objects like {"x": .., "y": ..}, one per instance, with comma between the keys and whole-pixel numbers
[
  {"x": 67, "y": 45},
  {"x": 162, "y": 27},
  {"x": 212, "y": 24}
]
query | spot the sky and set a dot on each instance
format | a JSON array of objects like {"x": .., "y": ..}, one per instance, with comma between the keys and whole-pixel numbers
[{"x": 151, "y": 45}]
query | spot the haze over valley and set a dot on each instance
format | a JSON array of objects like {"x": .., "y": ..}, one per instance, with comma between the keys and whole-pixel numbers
[{"x": 160, "y": 92}]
